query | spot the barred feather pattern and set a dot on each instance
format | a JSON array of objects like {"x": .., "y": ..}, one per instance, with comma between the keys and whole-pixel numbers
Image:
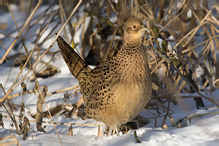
[{"x": 117, "y": 90}]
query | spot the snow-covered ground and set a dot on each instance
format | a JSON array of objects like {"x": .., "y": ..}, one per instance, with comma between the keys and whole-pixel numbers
[{"x": 201, "y": 131}]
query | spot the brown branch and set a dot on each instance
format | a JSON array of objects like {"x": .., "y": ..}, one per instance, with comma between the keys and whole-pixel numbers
[
  {"x": 33, "y": 91},
  {"x": 57, "y": 123},
  {"x": 24, "y": 26},
  {"x": 24, "y": 76}
]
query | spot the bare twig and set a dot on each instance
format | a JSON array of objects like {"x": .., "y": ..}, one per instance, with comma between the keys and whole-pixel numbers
[
  {"x": 192, "y": 32},
  {"x": 200, "y": 115},
  {"x": 21, "y": 31},
  {"x": 184, "y": 78},
  {"x": 10, "y": 90},
  {"x": 57, "y": 123},
  {"x": 33, "y": 91},
  {"x": 10, "y": 142},
  {"x": 14, "y": 86}
]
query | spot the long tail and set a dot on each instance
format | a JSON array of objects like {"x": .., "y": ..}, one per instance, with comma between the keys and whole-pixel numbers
[{"x": 75, "y": 63}]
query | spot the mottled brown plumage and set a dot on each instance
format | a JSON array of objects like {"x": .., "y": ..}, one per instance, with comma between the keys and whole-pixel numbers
[{"x": 118, "y": 89}]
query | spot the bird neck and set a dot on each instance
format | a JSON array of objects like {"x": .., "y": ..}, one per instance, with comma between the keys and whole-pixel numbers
[{"x": 132, "y": 44}]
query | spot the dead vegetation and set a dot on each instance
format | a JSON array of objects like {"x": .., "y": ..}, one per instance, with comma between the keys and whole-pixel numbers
[{"x": 183, "y": 43}]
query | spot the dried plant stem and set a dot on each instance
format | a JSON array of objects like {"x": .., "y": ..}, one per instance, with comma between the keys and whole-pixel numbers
[
  {"x": 192, "y": 32},
  {"x": 63, "y": 90},
  {"x": 184, "y": 78},
  {"x": 158, "y": 65},
  {"x": 217, "y": 80},
  {"x": 168, "y": 113},
  {"x": 14, "y": 86},
  {"x": 13, "y": 17},
  {"x": 39, "y": 113},
  {"x": 206, "y": 41},
  {"x": 62, "y": 13},
  {"x": 110, "y": 45},
  {"x": 42, "y": 97},
  {"x": 200, "y": 115},
  {"x": 12, "y": 116},
  {"x": 24, "y": 26},
  {"x": 10, "y": 142},
  {"x": 10, "y": 90},
  {"x": 136, "y": 137},
  {"x": 33, "y": 91},
  {"x": 57, "y": 123},
  {"x": 78, "y": 124},
  {"x": 143, "y": 119},
  {"x": 170, "y": 21}
]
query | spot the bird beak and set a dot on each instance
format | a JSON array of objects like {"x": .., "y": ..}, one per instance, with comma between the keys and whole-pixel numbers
[{"x": 145, "y": 29}]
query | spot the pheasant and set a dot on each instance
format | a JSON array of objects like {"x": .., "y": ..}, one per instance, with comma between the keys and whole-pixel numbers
[{"x": 118, "y": 89}]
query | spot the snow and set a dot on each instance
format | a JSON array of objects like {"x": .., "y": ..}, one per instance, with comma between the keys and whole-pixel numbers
[
  {"x": 2, "y": 36},
  {"x": 202, "y": 131},
  {"x": 189, "y": 13}
]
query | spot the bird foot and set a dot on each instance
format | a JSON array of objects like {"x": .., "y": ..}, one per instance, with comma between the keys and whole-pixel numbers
[{"x": 113, "y": 131}]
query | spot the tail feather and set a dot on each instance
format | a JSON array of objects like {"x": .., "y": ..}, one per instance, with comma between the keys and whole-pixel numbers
[{"x": 75, "y": 63}]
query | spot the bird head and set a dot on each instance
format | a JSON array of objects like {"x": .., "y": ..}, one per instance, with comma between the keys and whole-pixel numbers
[{"x": 134, "y": 31}]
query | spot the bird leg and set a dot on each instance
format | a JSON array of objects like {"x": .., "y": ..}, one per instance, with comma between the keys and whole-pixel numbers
[
  {"x": 110, "y": 131},
  {"x": 113, "y": 131},
  {"x": 116, "y": 129}
]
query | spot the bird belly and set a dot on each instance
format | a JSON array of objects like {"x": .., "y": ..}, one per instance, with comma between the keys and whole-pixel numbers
[{"x": 127, "y": 104}]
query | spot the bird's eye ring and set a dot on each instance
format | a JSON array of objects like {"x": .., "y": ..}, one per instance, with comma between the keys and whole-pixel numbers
[{"x": 135, "y": 27}]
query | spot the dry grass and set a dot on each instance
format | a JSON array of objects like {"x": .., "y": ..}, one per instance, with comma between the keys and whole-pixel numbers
[{"x": 192, "y": 46}]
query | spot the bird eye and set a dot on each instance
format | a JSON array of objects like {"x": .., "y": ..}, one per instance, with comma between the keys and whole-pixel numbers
[{"x": 134, "y": 27}]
